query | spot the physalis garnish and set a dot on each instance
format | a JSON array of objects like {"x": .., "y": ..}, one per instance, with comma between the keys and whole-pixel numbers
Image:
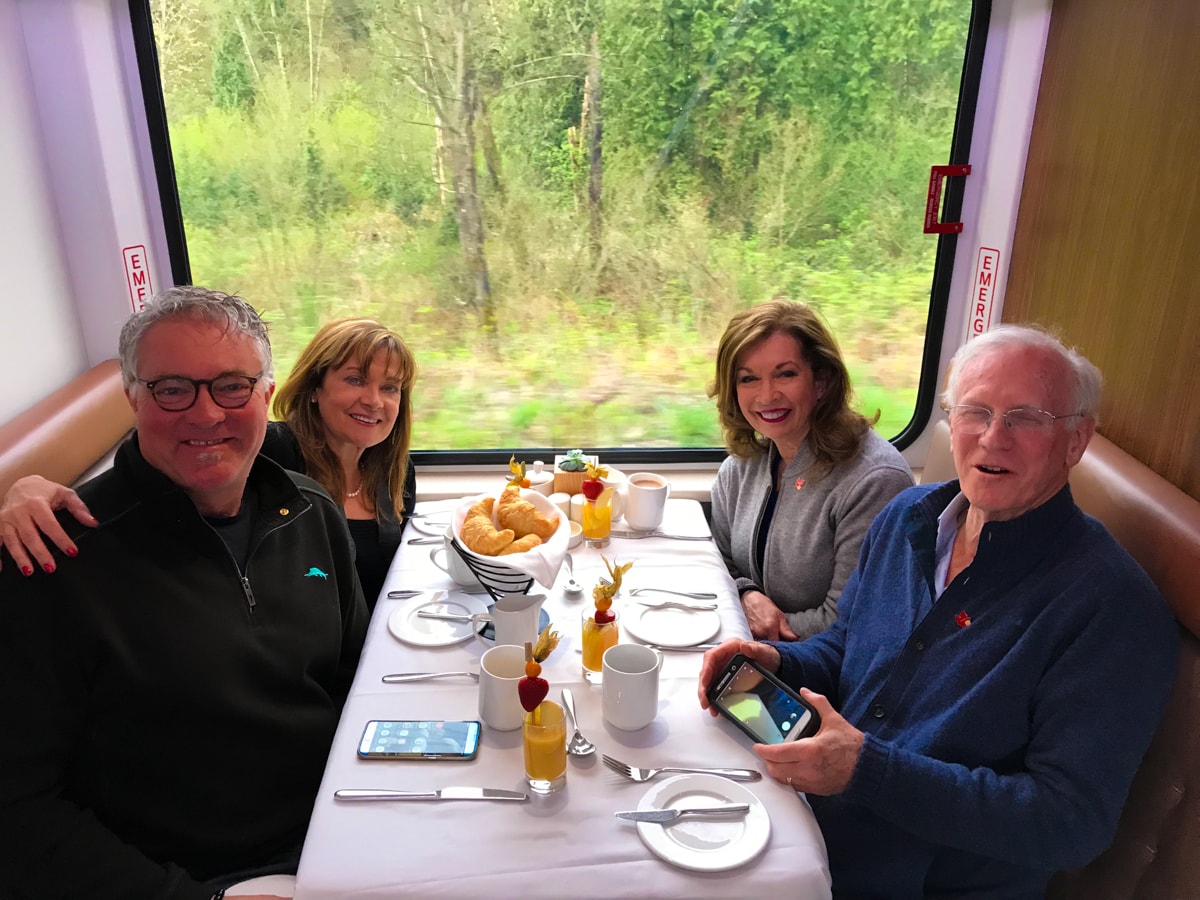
[
  {"x": 518, "y": 471},
  {"x": 602, "y": 593}
]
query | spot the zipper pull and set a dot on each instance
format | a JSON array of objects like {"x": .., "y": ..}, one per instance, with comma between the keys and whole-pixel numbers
[{"x": 249, "y": 592}]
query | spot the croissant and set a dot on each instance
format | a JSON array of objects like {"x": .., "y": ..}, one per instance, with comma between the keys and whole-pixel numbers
[
  {"x": 481, "y": 536},
  {"x": 520, "y": 545},
  {"x": 522, "y": 516}
]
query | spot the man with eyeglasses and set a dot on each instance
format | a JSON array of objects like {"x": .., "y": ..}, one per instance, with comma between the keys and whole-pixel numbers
[
  {"x": 999, "y": 665},
  {"x": 170, "y": 696}
]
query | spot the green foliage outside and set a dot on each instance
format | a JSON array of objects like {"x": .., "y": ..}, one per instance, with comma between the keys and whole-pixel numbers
[{"x": 751, "y": 150}]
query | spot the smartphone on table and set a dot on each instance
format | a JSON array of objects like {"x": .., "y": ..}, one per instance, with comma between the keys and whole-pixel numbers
[
  {"x": 419, "y": 740},
  {"x": 761, "y": 705}
]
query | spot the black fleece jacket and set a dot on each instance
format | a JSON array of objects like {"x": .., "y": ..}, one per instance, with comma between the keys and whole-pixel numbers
[{"x": 167, "y": 719}]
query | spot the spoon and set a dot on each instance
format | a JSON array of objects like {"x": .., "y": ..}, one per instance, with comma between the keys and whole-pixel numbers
[
  {"x": 578, "y": 745},
  {"x": 572, "y": 586}
]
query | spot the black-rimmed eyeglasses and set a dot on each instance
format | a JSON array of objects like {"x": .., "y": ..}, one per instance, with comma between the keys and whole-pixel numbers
[
  {"x": 176, "y": 393},
  {"x": 977, "y": 419}
]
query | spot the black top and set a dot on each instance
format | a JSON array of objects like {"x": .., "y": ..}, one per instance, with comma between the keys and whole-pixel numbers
[{"x": 375, "y": 542}]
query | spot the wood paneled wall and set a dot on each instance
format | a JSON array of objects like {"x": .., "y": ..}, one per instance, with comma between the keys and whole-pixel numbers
[{"x": 1107, "y": 245}]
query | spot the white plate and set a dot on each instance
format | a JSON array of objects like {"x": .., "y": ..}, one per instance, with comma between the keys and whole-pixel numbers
[
  {"x": 698, "y": 844},
  {"x": 407, "y": 626},
  {"x": 670, "y": 626},
  {"x": 432, "y": 527}
]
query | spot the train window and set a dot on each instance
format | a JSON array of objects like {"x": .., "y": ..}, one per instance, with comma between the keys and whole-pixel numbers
[{"x": 560, "y": 204}]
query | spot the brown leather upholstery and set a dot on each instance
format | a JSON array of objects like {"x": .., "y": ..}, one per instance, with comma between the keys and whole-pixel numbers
[
  {"x": 1156, "y": 853},
  {"x": 62, "y": 436}
]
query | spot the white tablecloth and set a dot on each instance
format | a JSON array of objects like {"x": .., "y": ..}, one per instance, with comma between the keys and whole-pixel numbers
[{"x": 568, "y": 844}]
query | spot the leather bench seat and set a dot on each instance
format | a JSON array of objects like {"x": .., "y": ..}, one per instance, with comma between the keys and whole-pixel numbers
[{"x": 62, "y": 436}]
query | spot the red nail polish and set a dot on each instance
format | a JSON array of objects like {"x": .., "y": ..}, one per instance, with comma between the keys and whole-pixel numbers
[
  {"x": 26, "y": 570},
  {"x": 48, "y": 568},
  {"x": 71, "y": 551}
]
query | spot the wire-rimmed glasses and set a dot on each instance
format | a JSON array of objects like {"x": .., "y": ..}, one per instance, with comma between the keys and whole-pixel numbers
[
  {"x": 174, "y": 393},
  {"x": 967, "y": 419}
]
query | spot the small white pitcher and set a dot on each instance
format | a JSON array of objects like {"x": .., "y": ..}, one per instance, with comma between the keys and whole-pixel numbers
[{"x": 515, "y": 618}]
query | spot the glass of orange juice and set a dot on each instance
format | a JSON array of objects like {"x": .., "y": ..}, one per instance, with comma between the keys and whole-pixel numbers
[
  {"x": 597, "y": 519},
  {"x": 544, "y": 737},
  {"x": 596, "y": 638}
]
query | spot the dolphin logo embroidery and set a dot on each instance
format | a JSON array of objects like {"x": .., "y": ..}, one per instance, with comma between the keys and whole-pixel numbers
[{"x": 314, "y": 572}]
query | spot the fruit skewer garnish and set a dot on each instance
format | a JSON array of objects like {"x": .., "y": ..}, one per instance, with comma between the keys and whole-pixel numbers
[
  {"x": 532, "y": 689},
  {"x": 593, "y": 488},
  {"x": 518, "y": 471},
  {"x": 603, "y": 593}
]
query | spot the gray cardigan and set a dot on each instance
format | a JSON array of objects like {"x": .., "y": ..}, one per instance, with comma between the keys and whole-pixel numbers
[{"x": 817, "y": 528}]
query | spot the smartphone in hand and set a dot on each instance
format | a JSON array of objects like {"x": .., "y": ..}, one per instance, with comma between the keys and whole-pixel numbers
[{"x": 761, "y": 705}]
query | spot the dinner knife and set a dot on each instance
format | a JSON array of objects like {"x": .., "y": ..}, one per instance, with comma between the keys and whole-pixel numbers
[
  {"x": 450, "y": 793},
  {"x": 664, "y": 816},
  {"x": 638, "y": 535},
  {"x": 448, "y": 617}
]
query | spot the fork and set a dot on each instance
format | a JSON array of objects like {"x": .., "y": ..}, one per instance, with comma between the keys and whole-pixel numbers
[
  {"x": 633, "y": 773},
  {"x": 640, "y": 535},
  {"x": 677, "y": 604}
]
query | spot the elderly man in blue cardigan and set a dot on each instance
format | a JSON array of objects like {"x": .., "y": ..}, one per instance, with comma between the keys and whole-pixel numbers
[{"x": 1000, "y": 663}]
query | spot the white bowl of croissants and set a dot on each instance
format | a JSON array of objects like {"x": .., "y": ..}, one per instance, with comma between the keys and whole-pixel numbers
[{"x": 517, "y": 527}]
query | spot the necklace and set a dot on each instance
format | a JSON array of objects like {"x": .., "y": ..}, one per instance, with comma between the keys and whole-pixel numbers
[{"x": 352, "y": 494}]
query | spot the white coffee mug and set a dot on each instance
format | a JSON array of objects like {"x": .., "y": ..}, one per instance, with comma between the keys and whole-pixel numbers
[
  {"x": 646, "y": 498},
  {"x": 499, "y": 703},
  {"x": 630, "y": 691},
  {"x": 455, "y": 567},
  {"x": 618, "y": 495}
]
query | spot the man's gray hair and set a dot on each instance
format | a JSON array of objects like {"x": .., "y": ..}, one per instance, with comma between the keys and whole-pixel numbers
[
  {"x": 200, "y": 304},
  {"x": 1086, "y": 390}
]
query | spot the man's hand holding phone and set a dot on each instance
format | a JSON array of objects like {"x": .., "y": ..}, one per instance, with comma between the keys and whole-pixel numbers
[
  {"x": 822, "y": 764},
  {"x": 717, "y": 660}
]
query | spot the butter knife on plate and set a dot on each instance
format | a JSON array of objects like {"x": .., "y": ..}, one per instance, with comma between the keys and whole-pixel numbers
[
  {"x": 666, "y": 816},
  {"x": 449, "y": 793}
]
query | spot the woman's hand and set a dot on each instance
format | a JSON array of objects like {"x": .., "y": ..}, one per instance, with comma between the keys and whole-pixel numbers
[
  {"x": 822, "y": 764},
  {"x": 717, "y": 660},
  {"x": 767, "y": 621},
  {"x": 29, "y": 506}
]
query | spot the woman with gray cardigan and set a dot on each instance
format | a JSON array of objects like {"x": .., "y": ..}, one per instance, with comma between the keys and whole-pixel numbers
[{"x": 806, "y": 474}]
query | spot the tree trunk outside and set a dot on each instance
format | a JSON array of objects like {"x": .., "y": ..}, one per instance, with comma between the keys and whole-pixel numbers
[{"x": 595, "y": 131}]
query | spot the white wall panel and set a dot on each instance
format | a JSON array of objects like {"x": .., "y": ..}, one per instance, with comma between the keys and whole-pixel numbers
[{"x": 41, "y": 344}]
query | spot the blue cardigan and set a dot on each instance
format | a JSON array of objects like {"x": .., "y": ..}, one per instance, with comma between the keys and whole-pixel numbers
[{"x": 1004, "y": 720}]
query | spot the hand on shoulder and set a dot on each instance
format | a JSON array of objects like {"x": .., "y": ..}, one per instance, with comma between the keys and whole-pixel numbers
[{"x": 27, "y": 518}]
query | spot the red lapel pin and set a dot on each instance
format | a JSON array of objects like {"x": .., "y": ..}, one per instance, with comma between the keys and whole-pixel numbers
[{"x": 962, "y": 620}]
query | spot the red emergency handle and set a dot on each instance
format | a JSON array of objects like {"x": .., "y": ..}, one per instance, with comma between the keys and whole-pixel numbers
[{"x": 934, "y": 198}]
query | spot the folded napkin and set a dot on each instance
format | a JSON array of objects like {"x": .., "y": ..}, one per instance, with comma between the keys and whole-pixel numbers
[{"x": 544, "y": 561}]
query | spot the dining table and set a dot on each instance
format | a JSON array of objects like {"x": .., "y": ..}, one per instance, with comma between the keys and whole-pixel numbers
[{"x": 568, "y": 843}]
